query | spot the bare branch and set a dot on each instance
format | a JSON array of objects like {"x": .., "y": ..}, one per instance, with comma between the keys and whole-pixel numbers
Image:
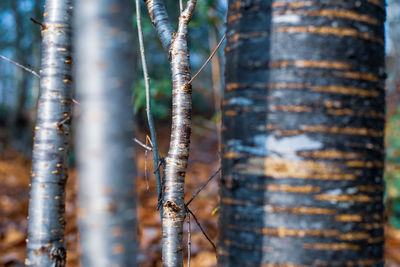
[
  {"x": 189, "y": 241},
  {"x": 145, "y": 166},
  {"x": 148, "y": 139},
  {"x": 21, "y": 66},
  {"x": 204, "y": 185},
  {"x": 201, "y": 229},
  {"x": 42, "y": 26},
  {"x": 148, "y": 97},
  {"x": 159, "y": 18},
  {"x": 187, "y": 13},
  {"x": 28, "y": 70},
  {"x": 142, "y": 145},
  {"x": 208, "y": 59}
]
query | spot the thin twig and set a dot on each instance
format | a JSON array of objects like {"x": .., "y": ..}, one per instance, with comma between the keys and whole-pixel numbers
[
  {"x": 148, "y": 139},
  {"x": 180, "y": 6},
  {"x": 29, "y": 70},
  {"x": 204, "y": 185},
  {"x": 161, "y": 163},
  {"x": 145, "y": 168},
  {"x": 38, "y": 22},
  {"x": 141, "y": 144},
  {"x": 148, "y": 101},
  {"x": 201, "y": 228},
  {"x": 208, "y": 59},
  {"x": 63, "y": 121},
  {"x": 189, "y": 242},
  {"x": 21, "y": 66}
]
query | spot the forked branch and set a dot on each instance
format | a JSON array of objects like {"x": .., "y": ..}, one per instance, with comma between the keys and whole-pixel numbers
[{"x": 159, "y": 18}]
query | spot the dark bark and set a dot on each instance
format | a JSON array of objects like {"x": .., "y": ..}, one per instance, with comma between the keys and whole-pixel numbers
[
  {"x": 104, "y": 52},
  {"x": 303, "y": 122},
  {"x": 45, "y": 245}
]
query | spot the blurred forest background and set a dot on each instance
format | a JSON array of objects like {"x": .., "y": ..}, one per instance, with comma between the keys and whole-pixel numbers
[{"x": 20, "y": 40}]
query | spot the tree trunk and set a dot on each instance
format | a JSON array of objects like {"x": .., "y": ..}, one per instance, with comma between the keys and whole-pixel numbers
[
  {"x": 174, "y": 212},
  {"x": 303, "y": 125},
  {"x": 47, "y": 201},
  {"x": 176, "y": 162},
  {"x": 104, "y": 52}
]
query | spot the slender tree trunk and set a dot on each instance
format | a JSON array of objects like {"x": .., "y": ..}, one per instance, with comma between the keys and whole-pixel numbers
[
  {"x": 47, "y": 201},
  {"x": 104, "y": 72},
  {"x": 176, "y": 163},
  {"x": 303, "y": 122},
  {"x": 174, "y": 211}
]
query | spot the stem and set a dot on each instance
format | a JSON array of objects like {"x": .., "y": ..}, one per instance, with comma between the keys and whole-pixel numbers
[
  {"x": 21, "y": 66},
  {"x": 208, "y": 59},
  {"x": 148, "y": 103},
  {"x": 189, "y": 241},
  {"x": 204, "y": 185},
  {"x": 201, "y": 228}
]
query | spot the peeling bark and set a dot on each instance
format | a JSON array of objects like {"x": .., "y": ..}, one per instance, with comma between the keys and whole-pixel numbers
[
  {"x": 107, "y": 215},
  {"x": 45, "y": 244},
  {"x": 303, "y": 127}
]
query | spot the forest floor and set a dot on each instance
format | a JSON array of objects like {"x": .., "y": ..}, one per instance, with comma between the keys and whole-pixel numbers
[{"x": 204, "y": 160}]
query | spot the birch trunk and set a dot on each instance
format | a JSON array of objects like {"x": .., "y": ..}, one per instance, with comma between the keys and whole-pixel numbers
[
  {"x": 176, "y": 44},
  {"x": 104, "y": 44},
  {"x": 45, "y": 244}
]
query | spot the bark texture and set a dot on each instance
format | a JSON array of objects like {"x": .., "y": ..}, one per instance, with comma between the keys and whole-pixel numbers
[
  {"x": 45, "y": 244},
  {"x": 176, "y": 162},
  {"x": 104, "y": 52},
  {"x": 176, "y": 43},
  {"x": 159, "y": 18},
  {"x": 303, "y": 125}
]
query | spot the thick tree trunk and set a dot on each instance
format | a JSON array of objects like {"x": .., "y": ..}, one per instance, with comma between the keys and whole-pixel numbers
[
  {"x": 47, "y": 201},
  {"x": 104, "y": 45},
  {"x": 303, "y": 122}
]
